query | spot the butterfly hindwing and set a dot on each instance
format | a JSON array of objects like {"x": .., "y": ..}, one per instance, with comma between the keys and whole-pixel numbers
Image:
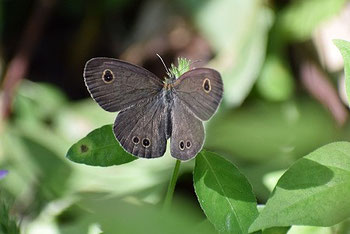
[
  {"x": 200, "y": 90},
  {"x": 142, "y": 129},
  {"x": 116, "y": 85},
  {"x": 187, "y": 136}
]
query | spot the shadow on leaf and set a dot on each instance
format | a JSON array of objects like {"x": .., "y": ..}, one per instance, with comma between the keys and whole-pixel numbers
[
  {"x": 223, "y": 177},
  {"x": 305, "y": 174}
]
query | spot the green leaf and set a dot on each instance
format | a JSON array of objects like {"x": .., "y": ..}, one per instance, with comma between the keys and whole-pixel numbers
[
  {"x": 314, "y": 191},
  {"x": 224, "y": 194},
  {"x": 344, "y": 47},
  {"x": 99, "y": 148}
]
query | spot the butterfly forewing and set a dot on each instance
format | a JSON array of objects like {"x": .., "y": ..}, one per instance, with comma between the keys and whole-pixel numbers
[
  {"x": 141, "y": 129},
  {"x": 187, "y": 135},
  {"x": 200, "y": 90},
  {"x": 116, "y": 85}
]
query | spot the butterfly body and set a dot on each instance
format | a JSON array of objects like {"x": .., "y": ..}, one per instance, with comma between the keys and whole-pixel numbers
[{"x": 153, "y": 110}]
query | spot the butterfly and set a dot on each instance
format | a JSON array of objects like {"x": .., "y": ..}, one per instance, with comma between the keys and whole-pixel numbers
[{"x": 151, "y": 109}]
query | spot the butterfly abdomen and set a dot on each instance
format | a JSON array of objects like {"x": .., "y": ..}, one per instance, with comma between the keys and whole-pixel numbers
[{"x": 167, "y": 98}]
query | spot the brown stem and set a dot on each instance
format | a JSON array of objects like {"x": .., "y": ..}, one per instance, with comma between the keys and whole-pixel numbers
[
  {"x": 18, "y": 66},
  {"x": 318, "y": 84}
]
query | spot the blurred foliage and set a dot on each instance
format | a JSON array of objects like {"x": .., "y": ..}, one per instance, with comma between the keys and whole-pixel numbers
[
  {"x": 8, "y": 224},
  {"x": 276, "y": 80},
  {"x": 267, "y": 120},
  {"x": 344, "y": 47},
  {"x": 298, "y": 21}
]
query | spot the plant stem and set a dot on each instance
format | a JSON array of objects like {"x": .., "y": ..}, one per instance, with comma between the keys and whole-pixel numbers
[{"x": 171, "y": 187}]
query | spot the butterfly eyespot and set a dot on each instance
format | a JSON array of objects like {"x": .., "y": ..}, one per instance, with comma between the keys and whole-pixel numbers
[
  {"x": 107, "y": 76},
  {"x": 181, "y": 145},
  {"x": 206, "y": 85},
  {"x": 188, "y": 144},
  {"x": 135, "y": 140},
  {"x": 146, "y": 142}
]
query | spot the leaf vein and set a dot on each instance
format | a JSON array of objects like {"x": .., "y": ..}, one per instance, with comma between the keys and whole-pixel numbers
[{"x": 223, "y": 191}]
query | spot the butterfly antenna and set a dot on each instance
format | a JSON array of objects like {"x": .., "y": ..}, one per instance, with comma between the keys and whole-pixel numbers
[{"x": 166, "y": 69}]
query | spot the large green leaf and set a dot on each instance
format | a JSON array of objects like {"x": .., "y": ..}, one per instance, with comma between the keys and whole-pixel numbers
[
  {"x": 344, "y": 47},
  {"x": 314, "y": 191},
  {"x": 224, "y": 194},
  {"x": 99, "y": 148}
]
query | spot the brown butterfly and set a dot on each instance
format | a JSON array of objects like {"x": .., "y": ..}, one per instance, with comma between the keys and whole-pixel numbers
[{"x": 153, "y": 110}]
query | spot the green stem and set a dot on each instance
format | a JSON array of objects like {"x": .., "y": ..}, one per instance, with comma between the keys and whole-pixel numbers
[{"x": 171, "y": 187}]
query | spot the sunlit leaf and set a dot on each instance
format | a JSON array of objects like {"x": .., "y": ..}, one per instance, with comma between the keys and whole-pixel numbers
[
  {"x": 270, "y": 179},
  {"x": 312, "y": 230},
  {"x": 240, "y": 47},
  {"x": 300, "y": 18},
  {"x": 99, "y": 148},
  {"x": 224, "y": 194},
  {"x": 314, "y": 191},
  {"x": 344, "y": 47}
]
